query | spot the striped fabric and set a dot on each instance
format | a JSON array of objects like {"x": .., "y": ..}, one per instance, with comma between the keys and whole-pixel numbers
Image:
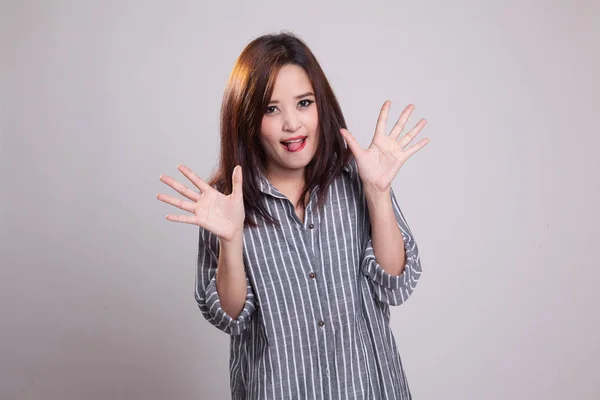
[{"x": 315, "y": 324}]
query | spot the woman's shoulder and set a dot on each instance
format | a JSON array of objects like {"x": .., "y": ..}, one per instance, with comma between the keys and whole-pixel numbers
[
  {"x": 347, "y": 182},
  {"x": 349, "y": 174}
]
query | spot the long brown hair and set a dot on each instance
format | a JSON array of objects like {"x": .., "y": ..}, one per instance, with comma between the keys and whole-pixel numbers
[{"x": 245, "y": 101}]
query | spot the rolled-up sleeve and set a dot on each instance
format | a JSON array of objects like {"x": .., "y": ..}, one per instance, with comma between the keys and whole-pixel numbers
[
  {"x": 389, "y": 289},
  {"x": 206, "y": 293}
]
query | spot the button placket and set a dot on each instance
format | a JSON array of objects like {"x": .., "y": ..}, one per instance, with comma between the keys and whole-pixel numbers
[{"x": 308, "y": 233}]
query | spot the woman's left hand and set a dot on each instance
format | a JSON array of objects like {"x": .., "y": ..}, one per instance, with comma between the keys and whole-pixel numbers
[{"x": 379, "y": 164}]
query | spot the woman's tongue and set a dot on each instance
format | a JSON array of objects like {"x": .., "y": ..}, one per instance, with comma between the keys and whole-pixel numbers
[{"x": 295, "y": 145}]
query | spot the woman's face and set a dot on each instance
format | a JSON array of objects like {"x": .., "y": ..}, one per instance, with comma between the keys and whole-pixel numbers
[{"x": 289, "y": 128}]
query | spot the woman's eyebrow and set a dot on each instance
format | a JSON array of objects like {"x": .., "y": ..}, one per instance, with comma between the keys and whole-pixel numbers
[{"x": 296, "y": 97}]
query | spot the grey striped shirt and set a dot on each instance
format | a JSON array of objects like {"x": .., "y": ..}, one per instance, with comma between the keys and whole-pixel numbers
[{"x": 315, "y": 324}]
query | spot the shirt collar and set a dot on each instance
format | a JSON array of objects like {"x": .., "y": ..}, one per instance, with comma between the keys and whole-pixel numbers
[{"x": 266, "y": 187}]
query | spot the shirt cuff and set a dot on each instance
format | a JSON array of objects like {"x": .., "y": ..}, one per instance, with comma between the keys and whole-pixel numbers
[
  {"x": 392, "y": 289},
  {"x": 215, "y": 314}
]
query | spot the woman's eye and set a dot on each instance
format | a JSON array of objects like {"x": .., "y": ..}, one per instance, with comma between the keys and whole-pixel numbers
[
  {"x": 270, "y": 109},
  {"x": 307, "y": 102}
]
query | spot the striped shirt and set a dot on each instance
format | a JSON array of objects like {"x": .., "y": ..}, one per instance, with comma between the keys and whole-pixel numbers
[{"x": 315, "y": 324}]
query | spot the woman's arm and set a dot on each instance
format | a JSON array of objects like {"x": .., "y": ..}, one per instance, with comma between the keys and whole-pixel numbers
[
  {"x": 396, "y": 268},
  {"x": 222, "y": 258}
]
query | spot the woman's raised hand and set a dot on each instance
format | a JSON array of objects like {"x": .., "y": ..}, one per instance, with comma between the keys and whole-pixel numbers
[
  {"x": 381, "y": 161},
  {"x": 212, "y": 210}
]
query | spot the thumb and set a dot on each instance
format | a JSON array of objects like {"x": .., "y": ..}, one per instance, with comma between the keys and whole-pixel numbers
[
  {"x": 237, "y": 178},
  {"x": 351, "y": 141}
]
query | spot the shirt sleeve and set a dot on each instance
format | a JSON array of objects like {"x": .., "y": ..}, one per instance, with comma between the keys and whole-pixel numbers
[
  {"x": 389, "y": 289},
  {"x": 206, "y": 293}
]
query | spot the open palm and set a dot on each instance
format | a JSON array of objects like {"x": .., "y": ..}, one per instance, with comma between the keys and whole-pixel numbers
[
  {"x": 212, "y": 210},
  {"x": 379, "y": 164}
]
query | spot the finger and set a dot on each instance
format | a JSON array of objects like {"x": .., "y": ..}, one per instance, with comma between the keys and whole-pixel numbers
[
  {"x": 415, "y": 147},
  {"x": 237, "y": 180},
  {"x": 186, "y": 219},
  {"x": 196, "y": 180},
  {"x": 352, "y": 143},
  {"x": 399, "y": 126},
  {"x": 406, "y": 139},
  {"x": 180, "y": 188},
  {"x": 179, "y": 203},
  {"x": 382, "y": 120}
]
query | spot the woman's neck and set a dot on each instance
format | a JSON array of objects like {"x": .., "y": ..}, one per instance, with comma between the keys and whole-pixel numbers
[{"x": 290, "y": 184}]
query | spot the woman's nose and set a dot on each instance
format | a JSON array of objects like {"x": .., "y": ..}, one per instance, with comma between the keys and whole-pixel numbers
[{"x": 291, "y": 122}]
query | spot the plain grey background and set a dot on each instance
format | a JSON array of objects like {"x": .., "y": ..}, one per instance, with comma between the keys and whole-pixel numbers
[{"x": 98, "y": 98}]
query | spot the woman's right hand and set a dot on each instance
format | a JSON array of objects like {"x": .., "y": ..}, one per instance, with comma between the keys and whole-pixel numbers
[{"x": 212, "y": 210}]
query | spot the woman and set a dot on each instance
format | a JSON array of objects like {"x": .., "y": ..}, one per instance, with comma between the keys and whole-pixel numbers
[{"x": 302, "y": 244}]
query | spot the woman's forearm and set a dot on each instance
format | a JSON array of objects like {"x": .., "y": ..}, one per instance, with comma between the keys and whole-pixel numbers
[
  {"x": 231, "y": 276},
  {"x": 388, "y": 243}
]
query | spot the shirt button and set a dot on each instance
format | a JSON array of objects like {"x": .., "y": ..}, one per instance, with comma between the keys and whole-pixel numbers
[
  {"x": 321, "y": 323},
  {"x": 311, "y": 226},
  {"x": 312, "y": 275}
]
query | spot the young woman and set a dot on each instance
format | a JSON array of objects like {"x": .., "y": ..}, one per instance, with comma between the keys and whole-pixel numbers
[{"x": 302, "y": 244}]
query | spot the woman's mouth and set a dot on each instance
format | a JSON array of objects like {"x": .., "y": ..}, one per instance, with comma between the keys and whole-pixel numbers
[{"x": 294, "y": 145}]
